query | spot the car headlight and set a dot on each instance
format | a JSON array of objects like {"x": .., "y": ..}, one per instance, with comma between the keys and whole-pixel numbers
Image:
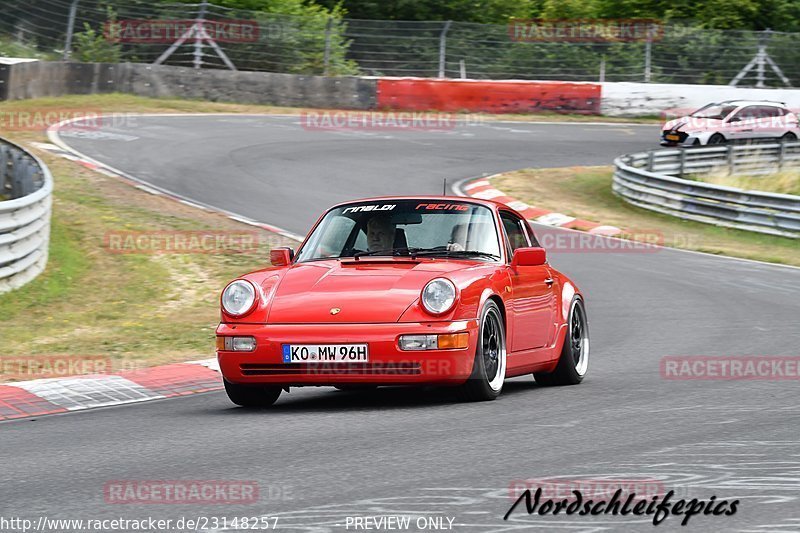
[
  {"x": 438, "y": 296},
  {"x": 238, "y": 297}
]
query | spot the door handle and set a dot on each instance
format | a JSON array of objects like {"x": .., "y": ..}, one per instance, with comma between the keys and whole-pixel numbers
[{"x": 549, "y": 281}]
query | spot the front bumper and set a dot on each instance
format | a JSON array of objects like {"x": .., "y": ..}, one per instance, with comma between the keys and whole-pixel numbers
[
  {"x": 682, "y": 138},
  {"x": 388, "y": 365}
]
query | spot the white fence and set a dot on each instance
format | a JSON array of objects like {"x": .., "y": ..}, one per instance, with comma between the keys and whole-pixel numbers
[
  {"x": 651, "y": 180},
  {"x": 26, "y": 188}
]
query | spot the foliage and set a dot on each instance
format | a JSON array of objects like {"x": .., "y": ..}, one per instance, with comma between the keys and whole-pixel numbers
[
  {"x": 92, "y": 47},
  {"x": 778, "y": 15},
  {"x": 10, "y": 48}
]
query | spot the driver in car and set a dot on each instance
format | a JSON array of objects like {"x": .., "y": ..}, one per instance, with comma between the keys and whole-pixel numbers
[
  {"x": 380, "y": 233},
  {"x": 458, "y": 238}
]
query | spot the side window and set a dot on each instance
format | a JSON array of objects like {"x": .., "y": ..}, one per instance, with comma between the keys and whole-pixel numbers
[
  {"x": 749, "y": 112},
  {"x": 531, "y": 235},
  {"x": 761, "y": 111},
  {"x": 516, "y": 236},
  {"x": 771, "y": 111},
  {"x": 727, "y": 110}
]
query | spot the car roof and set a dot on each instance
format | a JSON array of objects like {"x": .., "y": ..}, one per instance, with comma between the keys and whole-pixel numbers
[
  {"x": 464, "y": 199},
  {"x": 751, "y": 102}
]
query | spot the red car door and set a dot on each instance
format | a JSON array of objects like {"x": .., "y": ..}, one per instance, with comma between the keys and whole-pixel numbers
[{"x": 532, "y": 299}]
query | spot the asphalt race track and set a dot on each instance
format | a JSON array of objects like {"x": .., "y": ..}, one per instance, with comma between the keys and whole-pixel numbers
[
  {"x": 275, "y": 170},
  {"x": 320, "y": 455}
]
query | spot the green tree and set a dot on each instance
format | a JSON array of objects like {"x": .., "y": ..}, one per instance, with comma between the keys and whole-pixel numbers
[
  {"x": 487, "y": 11},
  {"x": 92, "y": 47},
  {"x": 779, "y": 15}
]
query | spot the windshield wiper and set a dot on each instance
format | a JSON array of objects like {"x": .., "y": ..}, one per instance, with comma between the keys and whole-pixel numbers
[
  {"x": 456, "y": 253},
  {"x": 393, "y": 251},
  {"x": 439, "y": 250}
]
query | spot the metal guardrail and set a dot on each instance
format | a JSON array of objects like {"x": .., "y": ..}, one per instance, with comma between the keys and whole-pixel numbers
[
  {"x": 26, "y": 188},
  {"x": 654, "y": 180}
]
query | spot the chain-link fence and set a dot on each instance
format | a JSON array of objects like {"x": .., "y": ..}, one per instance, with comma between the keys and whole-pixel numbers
[{"x": 137, "y": 31}]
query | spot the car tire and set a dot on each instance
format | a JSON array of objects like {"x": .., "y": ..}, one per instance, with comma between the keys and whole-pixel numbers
[
  {"x": 788, "y": 137},
  {"x": 717, "y": 138},
  {"x": 573, "y": 363},
  {"x": 252, "y": 395},
  {"x": 489, "y": 367}
]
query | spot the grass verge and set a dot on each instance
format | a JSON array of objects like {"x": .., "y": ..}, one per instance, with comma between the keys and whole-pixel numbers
[
  {"x": 585, "y": 192},
  {"x": 784, "y": 182}
]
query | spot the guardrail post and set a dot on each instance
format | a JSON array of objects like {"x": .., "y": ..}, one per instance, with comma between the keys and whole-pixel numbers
[
  {"x": 781, "y": 155},
  {"x": 682, "y": 162},
  {"x": 650, "y": 159},
  {"x": 5, "y": 176},
  {"x": 16, "y": 175},
  {"x": 443, "y": 49},
  {"x": 731, "y": 160}
]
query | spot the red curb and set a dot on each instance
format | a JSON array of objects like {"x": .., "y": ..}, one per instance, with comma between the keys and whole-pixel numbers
[
  {"x": 176, "y": 380},
  {"x": 584, "y": 224},
  {"x": 534, "y": 212},
  {"x": 166, "y": 381},
  {"x": 530, "y": 212},
  {"x": 19, "y": 403},
  {"x": 480, "y": 188}
]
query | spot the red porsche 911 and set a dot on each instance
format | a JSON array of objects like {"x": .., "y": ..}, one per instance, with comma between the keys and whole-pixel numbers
[{"x": 404, "y": 291}]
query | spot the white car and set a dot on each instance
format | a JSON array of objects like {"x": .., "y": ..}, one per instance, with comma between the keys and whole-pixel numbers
[{"x": 732, "y": 120}]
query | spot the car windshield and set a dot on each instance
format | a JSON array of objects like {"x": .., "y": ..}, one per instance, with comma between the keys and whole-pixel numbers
[
  {"x": 417, "y": 228},
  {"x": 716, "y": 111}
]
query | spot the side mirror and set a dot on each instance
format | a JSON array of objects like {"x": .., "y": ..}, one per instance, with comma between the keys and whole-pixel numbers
[
  {"x": 734, "y": 119},
  {"x": 281, "y": 256},
  {"x": 528, "y": 257}
]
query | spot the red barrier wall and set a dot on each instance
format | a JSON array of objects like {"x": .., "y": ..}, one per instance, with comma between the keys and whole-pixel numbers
[{"x": 421, "y": 94}]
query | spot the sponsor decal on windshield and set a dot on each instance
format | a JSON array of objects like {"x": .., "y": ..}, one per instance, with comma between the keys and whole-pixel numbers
[
  {"x": 360, "y": 208},
  {"x": 443, "y": 207}
]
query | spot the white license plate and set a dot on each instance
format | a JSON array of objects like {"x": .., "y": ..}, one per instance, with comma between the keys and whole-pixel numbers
[{"x": 325, "y": 353}]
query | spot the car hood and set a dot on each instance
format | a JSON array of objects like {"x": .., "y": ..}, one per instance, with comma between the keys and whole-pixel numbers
[{"x": 365, "y": 291}]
